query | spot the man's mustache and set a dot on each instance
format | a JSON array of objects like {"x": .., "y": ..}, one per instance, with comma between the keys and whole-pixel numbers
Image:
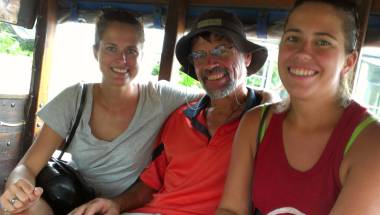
[{"x": 206, "y": 72}]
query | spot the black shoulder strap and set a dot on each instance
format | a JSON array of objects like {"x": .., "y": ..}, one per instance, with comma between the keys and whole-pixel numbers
[
  {"x": 158, "y": 151},
  {"x": 76, "y": 122}
]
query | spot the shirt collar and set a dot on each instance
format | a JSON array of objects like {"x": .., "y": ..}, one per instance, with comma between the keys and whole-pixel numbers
[{"x": 192, "y": 111}]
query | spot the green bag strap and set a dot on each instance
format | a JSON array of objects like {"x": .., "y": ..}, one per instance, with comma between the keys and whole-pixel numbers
[
  {"x": 359, "y": 128},
  {"x": 262, "y": 125}
]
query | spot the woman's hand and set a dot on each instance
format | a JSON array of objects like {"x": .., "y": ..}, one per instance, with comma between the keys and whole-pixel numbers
[
  {"x": 19, "y": 196},
  {"x": 97, "y": 206}
]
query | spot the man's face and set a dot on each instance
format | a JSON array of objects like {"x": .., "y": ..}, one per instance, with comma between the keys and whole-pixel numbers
[{"x": 219, "y": 66}]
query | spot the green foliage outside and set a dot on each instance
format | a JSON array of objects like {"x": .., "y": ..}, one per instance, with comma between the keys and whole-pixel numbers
[
  {"x": 254, "y": 81},
  {"x": 156, "y": 70},
  {"x": 275, "y": 81},
  {"x": 12, "y": 44},
  {"x": 185, "y": 79},
  {"x": 188, "y": 81}
]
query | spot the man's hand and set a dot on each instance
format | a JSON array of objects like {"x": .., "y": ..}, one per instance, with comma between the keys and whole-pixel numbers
[{"x": 97, "y": 206}]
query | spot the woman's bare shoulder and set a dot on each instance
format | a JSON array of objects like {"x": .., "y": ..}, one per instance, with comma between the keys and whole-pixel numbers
[
  {"x": 368, "y": 139},
  {"x": 365, "y": 150}
]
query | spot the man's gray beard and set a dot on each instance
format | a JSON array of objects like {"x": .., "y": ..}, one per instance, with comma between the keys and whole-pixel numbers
[{"x": 219, "y": 94}]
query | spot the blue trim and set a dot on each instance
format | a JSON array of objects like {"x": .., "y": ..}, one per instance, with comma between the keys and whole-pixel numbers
[
  {"x": 247, "y": 15},
  {"x": 73, "y": 10},
  {"x": 139, "y": 8},
  {"x": 262, "y": 25},
  {"x": 192, "y": 112},
  {"x": 374, "y": 22},
  {"x": 157, "y": 17}
]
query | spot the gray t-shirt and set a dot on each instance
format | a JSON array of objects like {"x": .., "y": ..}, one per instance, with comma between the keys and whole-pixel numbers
[{"x": 112, "y": 166}]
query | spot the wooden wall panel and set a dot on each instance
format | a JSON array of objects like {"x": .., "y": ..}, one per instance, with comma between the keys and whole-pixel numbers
[
  {"x": 45, "y": 32},
  {"x": 9, "y": 146},
  {"x": 12, "y": 113},
  {"x": 175, "y": 27},
  {"x": 12, "y": 124},
  {"x": 376, "y": 7}
]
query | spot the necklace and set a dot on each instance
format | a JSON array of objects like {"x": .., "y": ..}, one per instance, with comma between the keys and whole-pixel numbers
[{"x": 237, "y": 100}]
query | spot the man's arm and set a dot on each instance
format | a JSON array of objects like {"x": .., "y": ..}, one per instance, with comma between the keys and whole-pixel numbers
[{"x": 136, "y": 196}]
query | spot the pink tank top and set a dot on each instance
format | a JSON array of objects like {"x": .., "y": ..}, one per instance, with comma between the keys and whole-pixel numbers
[{"x": 280, "y": 189}]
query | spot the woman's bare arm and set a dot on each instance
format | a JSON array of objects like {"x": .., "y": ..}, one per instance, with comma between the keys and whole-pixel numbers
[
  {"x": 21, "y": 181},
  {"x": 360, "y": 175},
  {"x": 237, "y": 189}
]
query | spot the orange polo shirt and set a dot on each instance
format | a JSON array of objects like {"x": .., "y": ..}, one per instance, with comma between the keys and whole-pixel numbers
[{"x": 190, "y": 172}]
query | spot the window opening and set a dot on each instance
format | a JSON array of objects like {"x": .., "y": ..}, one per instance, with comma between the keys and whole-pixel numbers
[
  {"x": 16, "y": 58},
  {"x": 73, "y": 58},
  {"x": 367, "y": 81}
]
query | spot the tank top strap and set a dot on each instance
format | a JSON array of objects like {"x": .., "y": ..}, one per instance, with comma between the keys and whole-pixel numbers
[
  {"x": 270, "y": 131},
  {"x": 352, "y": 117},
  {"x": 343, "y": 132},
  {"x": 359, "y": 128},
  {"x": 263, "y": 122}
]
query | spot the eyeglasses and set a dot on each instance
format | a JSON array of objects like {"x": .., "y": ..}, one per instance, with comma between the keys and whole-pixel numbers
[{"x": 199, "y": 57}]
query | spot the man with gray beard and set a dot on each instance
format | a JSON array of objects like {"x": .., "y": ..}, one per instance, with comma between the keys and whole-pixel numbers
[{"x": 190, "y": 162}]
